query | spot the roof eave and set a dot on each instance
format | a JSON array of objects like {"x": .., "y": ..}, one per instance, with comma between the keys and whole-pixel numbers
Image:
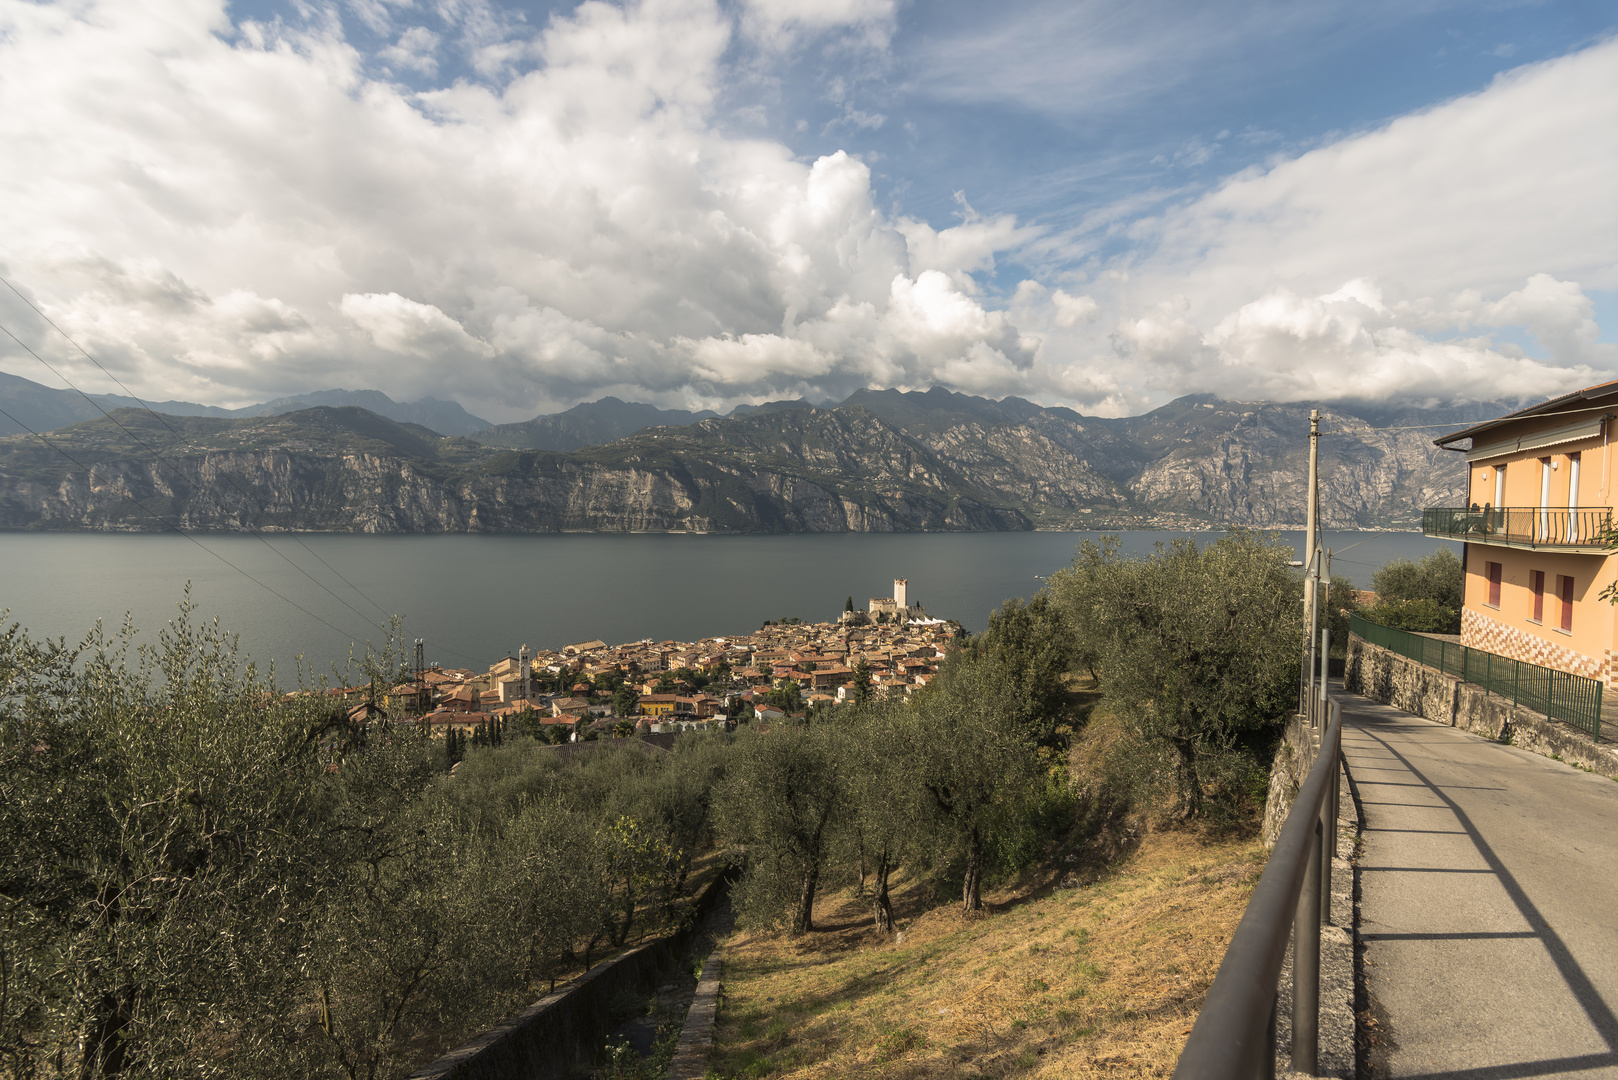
[{"x": 1589, "y": 393}]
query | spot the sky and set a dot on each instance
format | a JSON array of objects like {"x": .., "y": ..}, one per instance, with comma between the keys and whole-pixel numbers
[{"x": 697, "y": 203}]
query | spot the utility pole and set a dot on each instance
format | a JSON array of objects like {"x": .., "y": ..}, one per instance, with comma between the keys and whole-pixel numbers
[{"x": 1311, "y": 569}]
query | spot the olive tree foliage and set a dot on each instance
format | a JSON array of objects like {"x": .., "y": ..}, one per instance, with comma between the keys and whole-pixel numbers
[
  {"x": 977, "y": 770},
  {"x": 395, "y": 946},
  {"x": 1341, "y": 601},
  {"x": 881, "y": 824},
  {"x": 1437, "y": 577},
  {"x": 1198, "y": 647},
  {"x": 204, "y": 877},
  {"x": 1080, "y": 594},
  {"x": 1022, "y": 657},
  {"x": 1424, "y": 596},
  {"x": 157, "y": 815}
]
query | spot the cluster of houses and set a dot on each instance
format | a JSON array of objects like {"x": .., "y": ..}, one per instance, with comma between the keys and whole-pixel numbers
[{"x": 898, "y": 645}]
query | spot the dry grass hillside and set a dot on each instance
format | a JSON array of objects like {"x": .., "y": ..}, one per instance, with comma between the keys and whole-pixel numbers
[{"x": 1098, "y": 979}]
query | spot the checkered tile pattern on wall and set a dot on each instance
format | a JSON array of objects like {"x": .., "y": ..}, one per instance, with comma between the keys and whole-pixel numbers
[{"x": 1478, "y": 631}]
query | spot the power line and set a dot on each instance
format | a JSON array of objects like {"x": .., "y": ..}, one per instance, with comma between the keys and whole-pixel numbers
[
  {"x": 178, "y": 434},
  {"x": 176, "y": 528},
  {"x": 230, "y": 480},
  {"x": 156, "y": 456}
]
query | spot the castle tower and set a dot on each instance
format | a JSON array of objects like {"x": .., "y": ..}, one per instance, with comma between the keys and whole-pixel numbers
[
  {"x": 899, "y": 592},
  {"x": 527, "y": 670}
]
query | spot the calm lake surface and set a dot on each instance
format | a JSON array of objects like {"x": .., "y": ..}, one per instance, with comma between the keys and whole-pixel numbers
[{"x": 477, "y": 598}]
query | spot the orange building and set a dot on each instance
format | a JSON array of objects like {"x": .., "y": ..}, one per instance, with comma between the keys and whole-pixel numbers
[{"x": 1540, "y": 485}]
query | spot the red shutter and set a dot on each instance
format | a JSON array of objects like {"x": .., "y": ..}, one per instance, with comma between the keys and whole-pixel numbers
[
  {"x": 1539, "y": 596},
  {"x": 1567, "y": 603},
  {"x": 1494, "y": 584}
]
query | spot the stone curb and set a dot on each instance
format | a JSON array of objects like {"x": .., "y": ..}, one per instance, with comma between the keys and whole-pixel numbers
[{"x": 690, "y": 1061}]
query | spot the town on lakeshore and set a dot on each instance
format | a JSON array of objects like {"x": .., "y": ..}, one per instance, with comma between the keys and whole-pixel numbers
[{"x": 589, "y": 689}]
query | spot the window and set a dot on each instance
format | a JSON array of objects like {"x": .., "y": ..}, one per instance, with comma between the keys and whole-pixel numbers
[
  {"x": 1537, "y": 577},
  {"x": 1544, "y": 497},
  {"x": 1494, "y": 584},
  {"x": 1573, "y": 498},
  {"x": 1564, "y": 586}
]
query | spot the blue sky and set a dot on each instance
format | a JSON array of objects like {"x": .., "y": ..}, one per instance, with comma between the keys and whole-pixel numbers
[{"x": 689, "y": 202}]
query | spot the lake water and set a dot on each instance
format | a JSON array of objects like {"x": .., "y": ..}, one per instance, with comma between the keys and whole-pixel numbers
[{"x": 477, "y": 598}]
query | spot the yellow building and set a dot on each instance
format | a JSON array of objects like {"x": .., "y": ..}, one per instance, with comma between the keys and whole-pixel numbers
[
  {"x": 1540, "y": 485},
  {"x": 658, "y": 704}
]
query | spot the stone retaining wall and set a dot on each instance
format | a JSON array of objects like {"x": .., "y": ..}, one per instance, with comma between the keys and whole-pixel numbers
[
  {"x": 564, "y": 1031},
  {"x": 690, "y": 1061},
  {"x": 1381, "y": 675},
  {"x": 1293, "y": 760}
]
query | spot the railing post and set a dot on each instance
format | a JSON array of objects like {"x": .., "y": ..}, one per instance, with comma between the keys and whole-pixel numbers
[
  {"x": 1328, "y": 819},
  {"x": 1328, "y": 845},
  {"x": 1306, "y": 963},
  {"x": 1266, "y": 1059}
]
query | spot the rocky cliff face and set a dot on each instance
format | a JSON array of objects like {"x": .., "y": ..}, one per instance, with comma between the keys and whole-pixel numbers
[
  {"x": 881, "y": 462},
  {"x": 275, "y": 491},
  {"x": 1247, "y": 463}
]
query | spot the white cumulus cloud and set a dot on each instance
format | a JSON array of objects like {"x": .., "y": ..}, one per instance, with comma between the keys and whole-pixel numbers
[
  {"x": 1412, "y": 259},
  {"x": 580, "y": 228},
  {"x": 228, "y": 210}
]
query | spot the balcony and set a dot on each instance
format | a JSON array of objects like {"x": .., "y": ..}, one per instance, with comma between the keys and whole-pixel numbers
[{"x": 1565, "y": 528}]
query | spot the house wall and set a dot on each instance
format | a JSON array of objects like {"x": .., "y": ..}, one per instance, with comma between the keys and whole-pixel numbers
[
  {"x": 1523, "y": 471},
  {"x": 1510, "y": 629}
]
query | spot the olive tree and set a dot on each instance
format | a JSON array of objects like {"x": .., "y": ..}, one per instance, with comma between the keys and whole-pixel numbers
[
  {"x": 157, "y": 806},
  {"x": 1025, "y": 652},
  {"x": 777, "y": 802},
  {"x": 1425, "y": 596},
  {"x": 883, "y": 815},
  {"x": 977, "y": 769},
  {"x": 1200, "y": 646}
]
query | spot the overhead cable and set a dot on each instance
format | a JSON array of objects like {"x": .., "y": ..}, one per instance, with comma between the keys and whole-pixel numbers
[
  {"x": 156, "y": 456},
  {"x": 164, "y": 421},
  {"x": 179, "y": 529}
]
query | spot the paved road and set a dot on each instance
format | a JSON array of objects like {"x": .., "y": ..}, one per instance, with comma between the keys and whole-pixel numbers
[{"x": 1489, "y": 902}]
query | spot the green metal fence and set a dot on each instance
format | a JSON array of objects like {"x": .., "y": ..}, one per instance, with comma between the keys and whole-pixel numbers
[{"x": 1573, "y": 699}]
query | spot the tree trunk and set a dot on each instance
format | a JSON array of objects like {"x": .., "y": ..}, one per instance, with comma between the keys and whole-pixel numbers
[
  {"x": 971, "y": 886},
  {"x": 803, "y": 920},
  {"x": 1190, "y": 782},
  {"x": 106, "y": 1054},
  {"x": 884, "y": 907}
]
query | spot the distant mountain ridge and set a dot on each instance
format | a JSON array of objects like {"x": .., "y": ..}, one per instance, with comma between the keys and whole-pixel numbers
[
  {"x": 597, "y": 423},
  {"x": 45, "y": 408},
  {"x": 594, "y": 423},
  {"x": 883, "y": 460}
]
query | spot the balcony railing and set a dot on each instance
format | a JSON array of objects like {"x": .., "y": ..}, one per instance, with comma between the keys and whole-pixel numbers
[{"x": 1564, "y": 527}]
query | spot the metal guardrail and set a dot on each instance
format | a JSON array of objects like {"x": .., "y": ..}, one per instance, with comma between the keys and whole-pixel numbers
[
  {"x": 1234, "y": 1037},
  {"x": 1573, "y": 699},
  {"x": 1521, "y": 526}
]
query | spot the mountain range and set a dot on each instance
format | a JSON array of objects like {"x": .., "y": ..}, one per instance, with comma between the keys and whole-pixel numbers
[
  {"x": 593, "y": 423},
  {"x": 45, "y": 408},
  {"x": 882, "y": 460}
]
